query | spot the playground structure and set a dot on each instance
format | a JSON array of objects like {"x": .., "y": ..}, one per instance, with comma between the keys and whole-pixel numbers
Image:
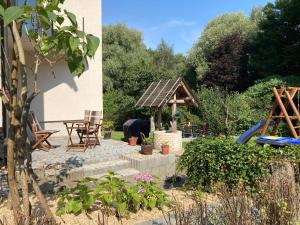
[{"x": 285, "y": 109}]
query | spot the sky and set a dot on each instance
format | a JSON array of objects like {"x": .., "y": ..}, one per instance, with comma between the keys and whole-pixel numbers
[{"x": 178, "y": 22}]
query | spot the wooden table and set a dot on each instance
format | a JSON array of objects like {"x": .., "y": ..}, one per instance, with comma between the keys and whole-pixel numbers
[{"x": 73, "y": 125}]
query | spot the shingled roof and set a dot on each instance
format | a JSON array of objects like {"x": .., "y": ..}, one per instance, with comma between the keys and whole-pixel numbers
[{"x": 160, "y": 92}]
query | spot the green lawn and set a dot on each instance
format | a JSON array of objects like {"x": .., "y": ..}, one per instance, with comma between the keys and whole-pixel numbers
[{"x": 117, "y": 135}]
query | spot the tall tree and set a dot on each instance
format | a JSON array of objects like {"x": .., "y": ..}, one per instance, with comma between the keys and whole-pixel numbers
[
  {"x": 127, "y": 65},
  {"x": 276, "y": 49},
  {"x": 167, "y": 64},
  {"x": 54, "y": 35},
  {"x": 228, "y": 71},
  {"x": 228, "y": 64},
  {"x": 214, "y": 32}
]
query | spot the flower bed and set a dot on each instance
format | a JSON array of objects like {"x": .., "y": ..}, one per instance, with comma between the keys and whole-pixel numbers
[{"x": 112, "y": 193}]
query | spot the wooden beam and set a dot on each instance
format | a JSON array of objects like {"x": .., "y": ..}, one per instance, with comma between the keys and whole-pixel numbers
[
  {"x": 174, "y": 122},
  {"x": 179, "y": 101},
  {"x": 152, "y": 123},
  {"x": 182, "y": 100},
  {"x": 159, "y": 120},
  {"x": 285, "y": 113}
]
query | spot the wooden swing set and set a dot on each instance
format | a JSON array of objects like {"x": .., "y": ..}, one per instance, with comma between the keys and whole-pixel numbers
[{"x": 285, "y": 109}]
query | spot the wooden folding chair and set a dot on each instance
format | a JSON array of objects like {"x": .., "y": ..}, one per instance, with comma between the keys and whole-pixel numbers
[
  {"x": 92, "y": 130},
  {"x": 80, "y": 129},
  {"x": 38, "y": 136}
]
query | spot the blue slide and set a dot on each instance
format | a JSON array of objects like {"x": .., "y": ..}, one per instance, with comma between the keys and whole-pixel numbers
[
  {"x": 247, "y": 135},
  {"x": 278, "y": 141}
]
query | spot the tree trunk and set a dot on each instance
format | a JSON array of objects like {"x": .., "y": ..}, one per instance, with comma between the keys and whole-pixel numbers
[
  {"x": 14, "y": 195},
  {"x": 24, "y": 104}
]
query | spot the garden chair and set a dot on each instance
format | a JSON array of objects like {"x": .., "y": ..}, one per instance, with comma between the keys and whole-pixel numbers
[
  {"x": 90, "y": 132},
  {"x": 37, "y": 136},
  {"x": 81, "y": 127}
]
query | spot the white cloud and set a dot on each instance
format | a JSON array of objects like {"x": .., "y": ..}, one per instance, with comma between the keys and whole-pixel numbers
[
  {"x": 179, "y": 23},
  {"x": 173, "y": 23}
]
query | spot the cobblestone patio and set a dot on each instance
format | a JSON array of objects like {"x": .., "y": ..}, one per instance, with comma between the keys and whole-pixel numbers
[{"x": 107, "y": 150}]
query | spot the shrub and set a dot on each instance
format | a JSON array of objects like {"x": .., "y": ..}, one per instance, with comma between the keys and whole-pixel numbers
[
  {"x": 225, "y": 115},
  {"x": 210, "y": 161},
  {"x": 260, "y": 97},
  {"x": 111, "y": 192}
]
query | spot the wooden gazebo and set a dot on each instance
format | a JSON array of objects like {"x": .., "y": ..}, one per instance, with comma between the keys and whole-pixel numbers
[{"x": 167, "y": 92}]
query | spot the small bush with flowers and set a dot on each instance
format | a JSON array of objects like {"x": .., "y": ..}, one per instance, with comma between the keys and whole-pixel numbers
[{"x": 111, "y": 192}]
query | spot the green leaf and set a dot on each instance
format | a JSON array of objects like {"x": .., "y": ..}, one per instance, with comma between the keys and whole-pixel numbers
[
  {"x": 92, "y": 44},
  {"x": 74, "y": 43},
  {"x": 12, "y": 13},
  {"x": 152, "y": 202},
  {"x": 52, "y": 16},
  {"x": 60, "y": 20},
  {"x": 121, "y": 209},
  {"x": 74, "y": 63},
  {"x": 60, "y": 212},
  {"x": 71, "y": 17},
  {"x": 73, "y": 206},
  {"x": 80, "y": 34},
  {"x": 136, "y": 200},
  {"x": 1, "y": 10},
  {"x": 107, "y": 199}
]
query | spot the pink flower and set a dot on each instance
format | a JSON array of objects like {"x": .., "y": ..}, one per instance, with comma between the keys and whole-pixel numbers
[
  {"x": 148, "y": 178},
  {"x": 142, "y": 177},
  {"x": 137, "y": 177}
]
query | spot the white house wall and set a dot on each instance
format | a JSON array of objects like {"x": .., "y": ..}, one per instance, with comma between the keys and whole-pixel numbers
[{"x": 64, "y": 96}]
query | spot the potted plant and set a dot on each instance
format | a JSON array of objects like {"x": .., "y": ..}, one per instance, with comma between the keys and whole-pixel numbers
[
  {"x": 165, "y": 148},
  {"x": 147, "y": 145},
  {"x": 107, "y": 127},
  {"x": 132, "y": 141}
]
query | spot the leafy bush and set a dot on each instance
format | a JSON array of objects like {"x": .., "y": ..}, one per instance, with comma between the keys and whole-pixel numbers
[
  {"x": 224, "y": 115},
  {"x": 113, "y": 193},
  {"x": 211, "y": 161},
  {"x": 107, "y": 125},
  {"x": 260, "y": 97}
]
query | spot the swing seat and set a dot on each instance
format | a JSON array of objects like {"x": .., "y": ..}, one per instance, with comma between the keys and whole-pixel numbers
[{"x": 277, "y": 141}]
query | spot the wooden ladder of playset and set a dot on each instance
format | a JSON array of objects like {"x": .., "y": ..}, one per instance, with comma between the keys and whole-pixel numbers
[{"x": 284, "y": 100}]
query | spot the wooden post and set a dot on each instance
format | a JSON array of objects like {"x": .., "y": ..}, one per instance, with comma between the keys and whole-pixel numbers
[
  {"x": 152, "y": 123},
  {"x": 159, "y": 120},
  {"x": 174, "y": 123}
]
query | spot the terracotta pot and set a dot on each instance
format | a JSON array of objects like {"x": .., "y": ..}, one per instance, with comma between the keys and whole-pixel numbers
[
  {"x": 132, "y": 141},
  {"x": 147, "y": 149},
  {"x": 165, "y": 149}
]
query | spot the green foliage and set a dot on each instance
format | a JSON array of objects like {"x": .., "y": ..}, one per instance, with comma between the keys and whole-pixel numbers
[
  {"x": 228, "y": 64},
  {"x": 107, "y": 125},
  {"x": 129, "y": 68},
  {"x": 117, "y": 107},
  {"x": 111, "y": 192},
  {"x": 187, "y": 115},
  {"x": 218, "y": 28},
  {"x": 208, "y": 162},
  {"x": 215, "y": 108},
  {"x": 64, "y": 40},
  {"x": 260, "y": 97},
  {"x": 276, "y": 47}
]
